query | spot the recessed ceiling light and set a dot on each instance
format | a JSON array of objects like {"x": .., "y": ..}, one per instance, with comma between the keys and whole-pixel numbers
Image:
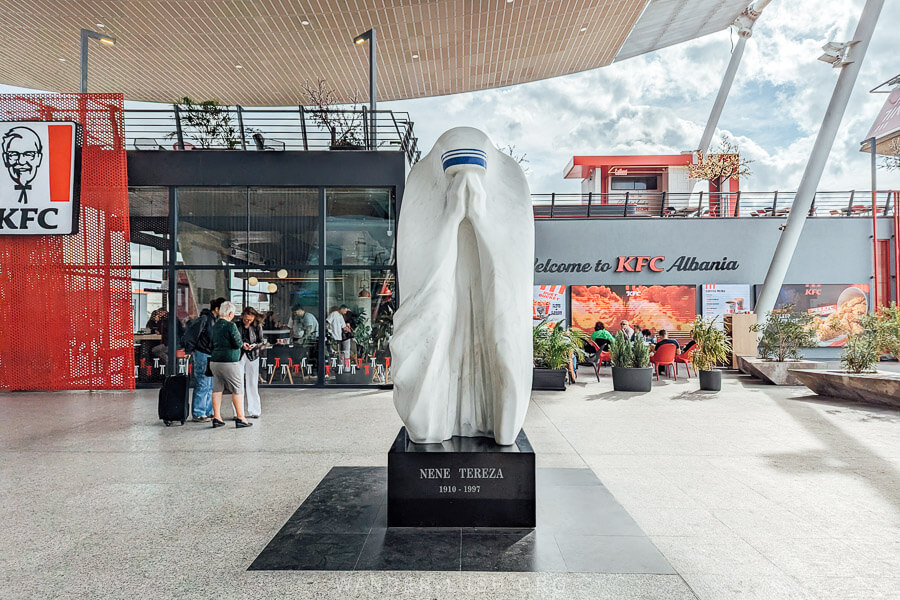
[
  {"x": 62, "y": 60},
  {"x": 509, "y": 1},
  {"x": 304, "y": 22},
  {"x": 415, "y": 56},
  {"x": 100, "y": 25},
  {"x": 583, "y": 29},
  {"x": 238, "y": 66}
]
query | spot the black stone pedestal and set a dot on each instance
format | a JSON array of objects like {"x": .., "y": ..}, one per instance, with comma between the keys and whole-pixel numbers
[{"x": 463, "y": 482}]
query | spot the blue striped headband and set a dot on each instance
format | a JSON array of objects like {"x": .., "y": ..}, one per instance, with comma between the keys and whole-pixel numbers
[{"x": 464, "y": 156}]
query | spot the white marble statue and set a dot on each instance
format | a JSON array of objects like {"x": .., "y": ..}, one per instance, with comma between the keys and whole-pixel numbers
[{"x": 461, "y": 347}]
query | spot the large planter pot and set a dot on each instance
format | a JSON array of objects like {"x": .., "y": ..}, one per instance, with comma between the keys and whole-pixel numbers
[
  {"x": 877, "y": 388},
  {"x": 632, "y": 380},
  {"x": 552, "y": 380},
  {"x": 774, "y": 372},
  {"x": 711, "y": 381}
]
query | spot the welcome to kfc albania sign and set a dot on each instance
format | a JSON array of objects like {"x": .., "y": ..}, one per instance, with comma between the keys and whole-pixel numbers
[{"x": 39, "y": 187}]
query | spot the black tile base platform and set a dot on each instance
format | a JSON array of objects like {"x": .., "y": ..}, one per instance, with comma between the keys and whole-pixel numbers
[{"x": 342, "y": 525}]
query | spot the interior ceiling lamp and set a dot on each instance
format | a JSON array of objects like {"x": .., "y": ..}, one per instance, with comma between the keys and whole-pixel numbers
[
  {"x": 253, "y": 281},
  {"x": 385, "y": 290},
  {"x": 282, "y": 273},
  {"x": 364, "y": 289},
  {"x": 273, "y": 288},
  {"x": 837, "y": 54}
]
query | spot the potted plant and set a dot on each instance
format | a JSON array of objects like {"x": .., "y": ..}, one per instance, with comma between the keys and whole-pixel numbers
[
  {"x": 343, "y": 126},
  {"x": 712, "y": 349},
  {"x": 208, "y": 123},
  {"x": 630, "y": 360},
  {"x": 784, "y": 333},
  {"x": 554, "y": 346}
]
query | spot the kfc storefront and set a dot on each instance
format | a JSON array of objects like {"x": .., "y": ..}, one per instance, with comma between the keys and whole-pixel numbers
[{"x": 661, "y": 273}]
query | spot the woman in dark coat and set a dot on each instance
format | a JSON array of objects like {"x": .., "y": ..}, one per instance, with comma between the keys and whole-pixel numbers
[{"x": 226, "y": 366}]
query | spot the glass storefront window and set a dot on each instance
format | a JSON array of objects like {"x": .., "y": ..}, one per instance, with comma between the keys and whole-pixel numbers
[
  {"x": 284, "y": 226},
  {"x": 149, "y": 221},
  {"x": 149, "y": 304},
  {"x": 261, "y": 247},
  {"x": 359, "y": 226},
  {"x": 358, "y": 326},
  {"x": 212, "y": 226},
  {"x": 288, "y": 302}
]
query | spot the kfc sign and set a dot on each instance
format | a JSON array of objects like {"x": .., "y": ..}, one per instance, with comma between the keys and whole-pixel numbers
[{"x": 39, "y": 186}]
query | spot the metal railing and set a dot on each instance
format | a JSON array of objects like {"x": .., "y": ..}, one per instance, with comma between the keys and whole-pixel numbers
[
  {"x": 853, "y": 203},
  {"x": 269, "y": 129}
]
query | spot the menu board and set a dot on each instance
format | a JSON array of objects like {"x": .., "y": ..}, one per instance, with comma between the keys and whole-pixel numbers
[
  {"x": 654, "y": 307},
  {"x": 549, "y": 303},
  {"x": 725, "y": 299},
  {"x": 838, "y": 308}
]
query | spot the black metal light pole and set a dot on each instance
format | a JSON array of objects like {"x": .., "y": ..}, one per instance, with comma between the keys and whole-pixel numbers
[
  {"x": 373, "y": 77},
  {"x": 87, "y": 34}
]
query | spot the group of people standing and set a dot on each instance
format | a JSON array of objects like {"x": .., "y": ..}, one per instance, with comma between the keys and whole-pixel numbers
[{"x": 226, "y": 357}]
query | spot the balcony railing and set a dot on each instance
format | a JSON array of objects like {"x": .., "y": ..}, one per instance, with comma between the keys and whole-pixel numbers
[
  {"x": 269, "y": 129},
  {"x": 853, "y": 203}
]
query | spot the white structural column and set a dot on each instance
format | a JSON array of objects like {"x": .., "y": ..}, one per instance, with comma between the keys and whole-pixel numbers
[
  {"x": 744, "y": 24},
  {"x": 787, "y": 243}
]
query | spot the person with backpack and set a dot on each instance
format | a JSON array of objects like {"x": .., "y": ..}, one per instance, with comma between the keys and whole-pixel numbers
[{"x": 198, "y": 343}]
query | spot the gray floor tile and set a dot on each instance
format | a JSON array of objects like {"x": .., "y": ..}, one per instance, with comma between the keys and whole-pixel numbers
[{"x": 611, "y": 554}]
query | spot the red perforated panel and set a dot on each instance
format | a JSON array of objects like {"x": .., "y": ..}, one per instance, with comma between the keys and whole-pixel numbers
[{"x": 65, "y": 301}]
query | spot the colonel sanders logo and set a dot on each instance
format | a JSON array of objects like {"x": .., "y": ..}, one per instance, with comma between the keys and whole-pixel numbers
[{"x": 22, "y": 154}]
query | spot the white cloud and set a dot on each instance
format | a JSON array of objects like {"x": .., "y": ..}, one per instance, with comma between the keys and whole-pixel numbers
[{"x": 659, "y": 103}]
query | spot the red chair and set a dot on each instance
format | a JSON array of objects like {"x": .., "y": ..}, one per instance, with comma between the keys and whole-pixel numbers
[
  {"x": 685, "y": 359},
  {"x": 665, "y": 357}
]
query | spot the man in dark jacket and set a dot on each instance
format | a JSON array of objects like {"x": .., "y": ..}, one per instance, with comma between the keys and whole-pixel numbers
[{"x": 198, "y": 343}]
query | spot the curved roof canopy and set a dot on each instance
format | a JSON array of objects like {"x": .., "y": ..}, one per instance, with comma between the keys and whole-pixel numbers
[{"x": 258, "y": 52}]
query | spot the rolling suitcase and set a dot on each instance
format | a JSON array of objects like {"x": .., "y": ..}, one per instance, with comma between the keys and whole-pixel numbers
[{"x": 174, "y": 402}]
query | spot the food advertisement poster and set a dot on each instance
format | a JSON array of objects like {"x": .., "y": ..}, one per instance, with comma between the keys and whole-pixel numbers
[
  {"x": 837, "y": 307},
  {"x": 725, "y": 299},
  {"x": 549, "y": 303},
  {"x": 654, "y": 307}
]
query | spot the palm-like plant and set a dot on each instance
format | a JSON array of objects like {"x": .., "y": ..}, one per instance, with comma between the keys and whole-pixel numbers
[
  {"x": 555, "y": 346},
  {"x": 712, "y": 345}
]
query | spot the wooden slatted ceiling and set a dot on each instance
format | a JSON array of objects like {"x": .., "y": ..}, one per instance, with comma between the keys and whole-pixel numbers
[{"x": 169, "y": 48}]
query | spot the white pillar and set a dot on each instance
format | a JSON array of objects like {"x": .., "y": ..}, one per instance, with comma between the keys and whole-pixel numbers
[{"x": 781, "y": 260}]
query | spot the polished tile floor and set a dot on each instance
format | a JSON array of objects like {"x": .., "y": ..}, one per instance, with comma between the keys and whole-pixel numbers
[
  {"x": 342, "y": 526},
  {"x": 755, "y": 492}
]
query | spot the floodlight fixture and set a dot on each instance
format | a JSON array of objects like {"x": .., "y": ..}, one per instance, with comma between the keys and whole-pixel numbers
[{"x": 837, "y": 54}]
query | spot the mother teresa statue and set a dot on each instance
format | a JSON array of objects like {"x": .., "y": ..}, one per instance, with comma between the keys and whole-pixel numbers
[{"x": 461, "y": 346}]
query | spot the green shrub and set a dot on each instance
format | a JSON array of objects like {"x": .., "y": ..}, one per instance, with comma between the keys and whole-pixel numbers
[
  {"x": 860, "y": 353},
  {"x": 554, "y": 347},
  {"x": 640, "y": 352},
  {"x": 629, "y": 354},
  {"x": 784, "y": 333},
  {"x": 712, "y": 345}
]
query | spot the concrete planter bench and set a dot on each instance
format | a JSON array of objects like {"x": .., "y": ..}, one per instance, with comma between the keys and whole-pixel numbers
[
  {"x": 875, "y": 388},
  {"x": 776, "y": 373}
]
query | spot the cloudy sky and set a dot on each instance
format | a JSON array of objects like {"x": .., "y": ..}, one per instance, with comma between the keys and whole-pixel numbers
[{"x": 659, "y": 103}]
